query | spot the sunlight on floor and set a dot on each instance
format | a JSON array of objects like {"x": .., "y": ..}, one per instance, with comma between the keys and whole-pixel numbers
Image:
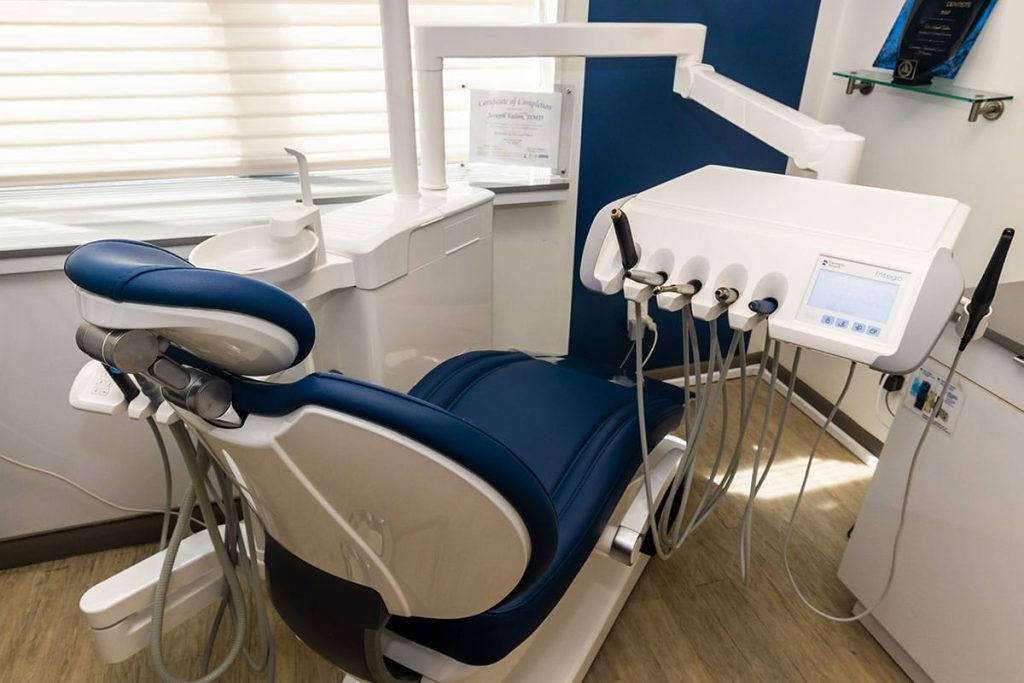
[{"x": 785, "y": 477}]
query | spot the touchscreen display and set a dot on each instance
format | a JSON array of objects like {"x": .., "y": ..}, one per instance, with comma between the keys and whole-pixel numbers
[{"x": 858, "y": 297}]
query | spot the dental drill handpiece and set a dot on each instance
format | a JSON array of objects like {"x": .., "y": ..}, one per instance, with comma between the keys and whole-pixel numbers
[
  {"x": 686, "y": 289},
  {"x": 765, "y": 306},
  {"x": 985, "y": 292},
  {"x": 627, "y": 249},
  {"x": 726, "y": 296},
  {"x": 624, "y": 236}
]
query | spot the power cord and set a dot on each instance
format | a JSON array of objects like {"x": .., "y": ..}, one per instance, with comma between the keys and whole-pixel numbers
[
  {"x": 167, "y": 511},
  {"x": 654, "y": 345}
]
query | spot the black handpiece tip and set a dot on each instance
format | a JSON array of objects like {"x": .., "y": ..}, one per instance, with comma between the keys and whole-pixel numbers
[
  {"x": 624, "y": 236},
  {"x": 985, "y": 292}
]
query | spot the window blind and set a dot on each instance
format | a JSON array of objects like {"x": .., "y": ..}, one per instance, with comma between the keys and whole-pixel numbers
[{"x": 131, "y": 89}]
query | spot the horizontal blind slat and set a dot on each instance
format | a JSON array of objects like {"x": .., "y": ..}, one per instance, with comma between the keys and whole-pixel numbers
[
  {"x": 107, "y": 89},
  {"x": 228, "y": 108},
  {"x": 69, "y": 12},
  {"x": 63, "y": 134},
  {"x": 185, "y": 85},
  {"x": 135, "y": 62}
]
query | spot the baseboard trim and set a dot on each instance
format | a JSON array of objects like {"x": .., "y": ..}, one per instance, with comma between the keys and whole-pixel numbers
[
  {"x": 79, "y": 540},
  {"x": 91, "y": 538},
  {"x": 674, "y": 375},
  {"x": 843, "y": 429}
]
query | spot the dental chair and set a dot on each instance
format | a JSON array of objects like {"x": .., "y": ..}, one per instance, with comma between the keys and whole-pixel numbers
[{"x": 419, "y": 536}]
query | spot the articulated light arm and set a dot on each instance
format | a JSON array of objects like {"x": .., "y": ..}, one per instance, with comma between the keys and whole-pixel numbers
[{"x": 829, "y": 150}]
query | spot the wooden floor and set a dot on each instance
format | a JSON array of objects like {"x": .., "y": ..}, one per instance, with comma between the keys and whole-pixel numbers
[{"x": 689, "y": 619}]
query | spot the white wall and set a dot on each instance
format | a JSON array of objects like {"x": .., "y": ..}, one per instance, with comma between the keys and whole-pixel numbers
[
  {"x": 533, "y": 250},
  {"x": 923, "y": 144},
  {"x": 533, "y": 244},
  {"x": 115, "y": 457}
]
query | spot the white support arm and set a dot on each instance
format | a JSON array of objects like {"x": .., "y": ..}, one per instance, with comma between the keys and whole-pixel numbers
[
  {"x": 394, "y": 25},
  {"x": 829, "y": 150},
  {"x": 435, "y": 43}
]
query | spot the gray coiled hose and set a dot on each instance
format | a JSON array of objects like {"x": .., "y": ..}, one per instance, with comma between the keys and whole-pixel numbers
[
  {"x": 165, "y": 527},
  {"x": 746, "y": 411},
  {"x": 664, "y": 543},
  {"x": 196, "y": 493},
  {"x": 670, "y": 528},
  {"x": 756, "y": 482}
]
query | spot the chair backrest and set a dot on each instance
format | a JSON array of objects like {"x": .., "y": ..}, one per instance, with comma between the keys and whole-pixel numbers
[{"x": 366, "y": 484}]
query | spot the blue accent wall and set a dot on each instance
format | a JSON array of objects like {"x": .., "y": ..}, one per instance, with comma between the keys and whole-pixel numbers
[{"x": 638, "y": 133}]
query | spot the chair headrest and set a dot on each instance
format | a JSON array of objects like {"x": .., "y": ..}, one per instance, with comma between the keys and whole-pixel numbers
[{"x": 231, "y": 321}]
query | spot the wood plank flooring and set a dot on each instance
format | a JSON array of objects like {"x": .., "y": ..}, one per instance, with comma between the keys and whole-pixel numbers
[{"x": 689, "y": 619}]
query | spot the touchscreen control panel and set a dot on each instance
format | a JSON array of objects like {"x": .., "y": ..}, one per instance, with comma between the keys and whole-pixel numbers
[{"x": 852, "y": 298}]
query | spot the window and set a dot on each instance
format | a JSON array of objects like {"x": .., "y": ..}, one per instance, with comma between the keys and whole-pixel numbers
[{"x": 131, "y": 89}]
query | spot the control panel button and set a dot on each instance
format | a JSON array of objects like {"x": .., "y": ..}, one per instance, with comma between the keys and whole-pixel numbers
[
  {"x": 859, "y": 327},
  {"x": 842, "y": 323},
  {"x": 874, "y": 331},
  {"x": 827, "y": 319}
]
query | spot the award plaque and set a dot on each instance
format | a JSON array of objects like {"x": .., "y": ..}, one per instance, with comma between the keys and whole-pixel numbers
[{"x": 932, "y": 38}]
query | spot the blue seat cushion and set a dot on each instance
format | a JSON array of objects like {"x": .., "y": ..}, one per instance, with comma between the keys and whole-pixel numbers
[
  {"x": 137, "y": 272},
  {"x": 578, "y": 432}
]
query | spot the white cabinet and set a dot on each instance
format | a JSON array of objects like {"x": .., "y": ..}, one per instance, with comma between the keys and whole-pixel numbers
[{"x": 956, "y": 608}]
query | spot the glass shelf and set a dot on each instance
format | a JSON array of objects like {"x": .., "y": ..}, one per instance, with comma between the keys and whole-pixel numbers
[{"x": 990, "y": 105}]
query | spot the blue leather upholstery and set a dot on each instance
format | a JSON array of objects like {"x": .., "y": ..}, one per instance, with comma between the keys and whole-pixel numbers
[
  {"x": 124, "y": 270},
  {"x": 559, "y": 441},
  {"x": 579, "y": 433}
]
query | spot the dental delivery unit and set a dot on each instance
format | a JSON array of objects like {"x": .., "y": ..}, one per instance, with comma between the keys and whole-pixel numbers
[{"x": 420, "y": 507}]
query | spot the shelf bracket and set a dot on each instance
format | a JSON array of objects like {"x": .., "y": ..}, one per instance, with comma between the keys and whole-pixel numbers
[
  {"x": 863, "y": 87},
  {"x": 989, "y": 109}
]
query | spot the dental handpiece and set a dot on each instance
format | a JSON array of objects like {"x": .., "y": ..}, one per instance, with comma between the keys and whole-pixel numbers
[
  {"x": 726, "y": 295},
  {"x": 764, "y": 306},
  {"x": 686, "y": 289},
  {"x": 624, "y": 236},
  {"x": 985, "y": 292},
  {"x": 646, "y": 277}
]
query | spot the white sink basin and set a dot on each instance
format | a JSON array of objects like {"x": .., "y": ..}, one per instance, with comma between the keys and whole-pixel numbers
[{"x": 253, "y": 252}]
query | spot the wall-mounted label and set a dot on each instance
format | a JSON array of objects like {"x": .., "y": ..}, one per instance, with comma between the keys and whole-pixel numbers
[
  {"x": 923, "y": 392},
  {"x": 517, "y": 128}
]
